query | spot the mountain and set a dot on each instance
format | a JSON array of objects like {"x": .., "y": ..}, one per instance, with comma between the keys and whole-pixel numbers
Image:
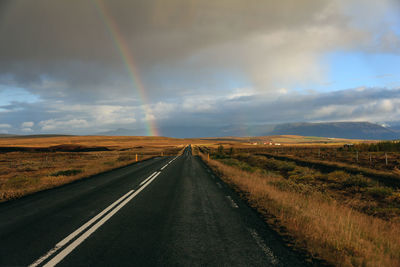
[
  {"x": 123, "y": 132},
  {"x": 352, "y": 130},
  {"x": 7, "y": 135}
]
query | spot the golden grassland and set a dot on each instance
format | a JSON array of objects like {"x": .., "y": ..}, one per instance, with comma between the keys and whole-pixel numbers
[
  {"x": 106, "y": 141},
  {"x": 23, "y": 172},
  {"x": 327, "y": 228}
]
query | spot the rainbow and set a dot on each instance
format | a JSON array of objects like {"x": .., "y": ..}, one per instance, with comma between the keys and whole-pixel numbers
[{"x": 128, "y": 59}]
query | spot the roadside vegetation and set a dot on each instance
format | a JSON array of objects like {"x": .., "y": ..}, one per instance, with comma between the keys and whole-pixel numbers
[
  {"x": 343, "y": 218},
  {"x": 28, "y": 169}
]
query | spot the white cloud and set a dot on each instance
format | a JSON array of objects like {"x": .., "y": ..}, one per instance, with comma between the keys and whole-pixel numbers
[
  {"x": 27, "y": 124},
  {"x": 63, "y": 125},
  {"x": 5, "y": 125},
  {"x": 26, "y": 130}
]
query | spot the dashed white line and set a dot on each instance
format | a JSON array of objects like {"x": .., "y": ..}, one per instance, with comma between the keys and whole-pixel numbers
[
  {"x": 267, "y": 251},
  {"x": 232, "y": 202}
]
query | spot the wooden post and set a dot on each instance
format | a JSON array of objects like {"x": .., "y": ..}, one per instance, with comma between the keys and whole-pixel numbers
[
  {"x": 208, "y": 156},
  {"x": 370, "y": 158},
  {"x": 357, "y": 156},
  {"x": 386, "y": 160},
  {"x": 136, "y": 157},
  {"x": 162, "y": 153}
]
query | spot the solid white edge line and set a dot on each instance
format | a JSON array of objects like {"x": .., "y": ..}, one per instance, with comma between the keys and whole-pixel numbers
[
  {"x": 77, "y": 231},
  {"x": 60, "y": 256},
  {"x": 145, "y": 180},
  {"x": 156, "y": 175}
]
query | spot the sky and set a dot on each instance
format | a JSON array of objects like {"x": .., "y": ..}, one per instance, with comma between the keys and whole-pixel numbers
[{"x": 163, "y": 67}]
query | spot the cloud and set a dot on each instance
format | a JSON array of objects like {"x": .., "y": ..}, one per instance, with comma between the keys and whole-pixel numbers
[
  {"x": 26, "y": 130},
  {"x": 268, "y": 41},
  {"x": 5, "y": 125},
  {"x": 62, "y": 125},
  {"x": 27, "y": 124},
  {"x": 191, "y": 57}
]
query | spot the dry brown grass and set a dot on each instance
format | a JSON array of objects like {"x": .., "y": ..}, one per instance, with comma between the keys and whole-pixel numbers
[
  {"x": 24, "y": 173},
  {"x": 327, "y": 229}
]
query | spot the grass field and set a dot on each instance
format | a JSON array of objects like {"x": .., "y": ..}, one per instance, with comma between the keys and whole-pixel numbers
[
  {"x": 41, "y": 163},
  {"x": 344, "y": 218},
  {"x": 32, "y": 163},
  {"x": 335, "y": 208}
]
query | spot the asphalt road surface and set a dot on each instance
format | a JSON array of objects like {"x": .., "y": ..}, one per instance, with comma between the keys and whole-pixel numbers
[{"x": 167, "y": 211}]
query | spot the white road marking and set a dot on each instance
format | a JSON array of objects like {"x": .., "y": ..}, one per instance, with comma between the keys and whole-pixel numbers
[
  {"x": 164, "y": 166},
  {"x": 60, "y": 256},
  {"x": 264, "y": 247},
  {"x": 233, "y": 203},
  {"x": 155, "y": 175},
  {"x": 145, "y": 180},
  {"x": 78, "y": 231}
]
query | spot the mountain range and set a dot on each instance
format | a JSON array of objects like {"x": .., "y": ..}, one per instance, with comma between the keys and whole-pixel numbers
[{"x": 351, "y": 130}]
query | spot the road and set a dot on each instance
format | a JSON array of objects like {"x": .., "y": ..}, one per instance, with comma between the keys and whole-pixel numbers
[{"x": 166, "y": 211}]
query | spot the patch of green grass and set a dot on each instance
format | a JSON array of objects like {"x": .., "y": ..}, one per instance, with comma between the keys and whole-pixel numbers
[
  {"x": 239, "y": 164},
  {"x": 303, "y": 175},
  {"x": 357, "y": 181}
]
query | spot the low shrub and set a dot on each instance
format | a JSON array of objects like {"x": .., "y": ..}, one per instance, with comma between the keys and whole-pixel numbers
[
  {"x": 338, "y": 176},
  {"x": 124, "y": 158},
  {"x": 380, "y": 192},
  {"x": 239, "y": 164},
  {"x": 67, "y": 172},
  {"x": 302, "y": 175},
  {"x": 357, "y": 181}
]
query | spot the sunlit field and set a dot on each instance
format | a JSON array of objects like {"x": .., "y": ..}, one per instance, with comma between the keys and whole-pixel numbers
[
  {"x": 338, "y": 209},
  {"x": 29, "y": 165}
]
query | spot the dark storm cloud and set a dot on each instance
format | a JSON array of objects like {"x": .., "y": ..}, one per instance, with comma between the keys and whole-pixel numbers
[
  {"x": 191, "y": 56},
  {"x": 68, "y": 40}
]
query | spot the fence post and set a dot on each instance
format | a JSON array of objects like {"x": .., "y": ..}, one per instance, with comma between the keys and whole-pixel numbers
[
  {"x": 357, "y": 156},
  {"x": 136, "y": 157},
  {"x": 386, "y": 160},
  {"x": 208, "y": 156}
]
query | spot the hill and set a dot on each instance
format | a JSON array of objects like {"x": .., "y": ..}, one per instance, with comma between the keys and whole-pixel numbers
[{"x": 351, "y": 130}]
